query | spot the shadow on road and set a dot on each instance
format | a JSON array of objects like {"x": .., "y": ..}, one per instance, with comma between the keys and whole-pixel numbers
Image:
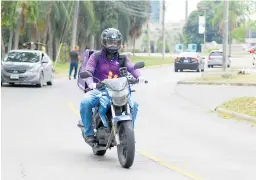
[{"x": 19, "y": 86}]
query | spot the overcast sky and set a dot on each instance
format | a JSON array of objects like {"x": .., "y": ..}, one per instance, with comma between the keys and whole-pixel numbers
[{"x": 175, "y": 9}]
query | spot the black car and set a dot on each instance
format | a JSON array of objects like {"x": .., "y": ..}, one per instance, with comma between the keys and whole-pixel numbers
[{"x": 189, "y": 61}]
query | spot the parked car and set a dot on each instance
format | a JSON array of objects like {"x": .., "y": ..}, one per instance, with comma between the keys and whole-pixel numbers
[
  {"x": 190, "y": 61},
  {"x": 27, "y": 67},
  {"x": 254, "y": 59},
  {"x": 216, "y": 58}
]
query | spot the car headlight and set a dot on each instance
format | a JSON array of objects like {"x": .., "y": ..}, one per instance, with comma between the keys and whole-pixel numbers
[{"x": 33, "y": 69}]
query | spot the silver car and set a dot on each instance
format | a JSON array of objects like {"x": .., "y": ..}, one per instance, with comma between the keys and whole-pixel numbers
[
  {"x": 27, "y": 67},
  {"x": 216, "y": 58}
]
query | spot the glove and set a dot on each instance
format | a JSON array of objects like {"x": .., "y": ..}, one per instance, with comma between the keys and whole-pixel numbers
[
  {"x": 141, "y": 80},
  {"x": 92, "y": 85}
]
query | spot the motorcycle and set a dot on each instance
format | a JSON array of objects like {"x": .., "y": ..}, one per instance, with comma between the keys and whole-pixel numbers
[{"x": 120, "y": 132}]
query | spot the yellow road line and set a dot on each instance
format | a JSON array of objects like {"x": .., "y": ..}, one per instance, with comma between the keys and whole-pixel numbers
[
  {"x": 73, "y": 109},
  {"x": 171, "y": 167},
  {"x": 148, "y": 156}
]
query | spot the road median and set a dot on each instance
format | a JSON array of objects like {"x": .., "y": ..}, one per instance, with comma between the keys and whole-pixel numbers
[
  {"x": 240, "y": 108},
  {"x": 231, "y": 78}
]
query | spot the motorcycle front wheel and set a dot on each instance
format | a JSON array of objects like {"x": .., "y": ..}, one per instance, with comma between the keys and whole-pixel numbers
[{"x": 126, "y": 148}]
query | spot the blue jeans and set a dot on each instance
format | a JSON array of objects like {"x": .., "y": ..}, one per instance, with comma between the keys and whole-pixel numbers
[
  {"x": 71, "y": 67},
  {"x": 94, "y": 98}
]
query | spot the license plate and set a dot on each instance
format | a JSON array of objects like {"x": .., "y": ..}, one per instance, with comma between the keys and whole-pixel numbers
[
  {"x": 14, "y": 76},
  {"x": 185, "y": 61}
]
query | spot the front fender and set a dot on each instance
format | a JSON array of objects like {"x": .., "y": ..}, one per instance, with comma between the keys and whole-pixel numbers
[{"x": 118, "y": 119}]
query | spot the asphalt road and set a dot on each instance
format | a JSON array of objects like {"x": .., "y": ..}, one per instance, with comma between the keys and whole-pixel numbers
[{"x": 175, "y": 127}]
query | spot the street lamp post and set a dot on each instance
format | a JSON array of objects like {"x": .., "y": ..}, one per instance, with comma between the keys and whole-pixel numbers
[
  {"x": 225, "y": 36},
  {"x": 163, "y": 31}
]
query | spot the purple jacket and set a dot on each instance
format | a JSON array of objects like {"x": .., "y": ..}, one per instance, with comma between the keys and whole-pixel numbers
[{"x": 107, "y": 69}]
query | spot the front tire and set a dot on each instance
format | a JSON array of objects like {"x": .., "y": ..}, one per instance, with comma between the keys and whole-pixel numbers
[
  {"x": 41, "y": 81},
  {"x": 126, "y": 148}
]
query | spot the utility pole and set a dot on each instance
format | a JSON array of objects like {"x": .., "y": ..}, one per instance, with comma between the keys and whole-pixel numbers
[
  {"x": 75, "y": 19},
  {"x": 163, "y": 30},
  {"x": 148, "y": 27},
  {"x": 225, "y": 36},
  {"x": 186, "y": 11}
]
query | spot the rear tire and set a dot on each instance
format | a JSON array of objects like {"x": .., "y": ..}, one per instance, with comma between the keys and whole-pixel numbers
[
  {"x": 198, "y": 69},
  {"x": 176, "y": 70},
  {"x": 126, "y": 148},
  {"x": 49, "y": 83}
]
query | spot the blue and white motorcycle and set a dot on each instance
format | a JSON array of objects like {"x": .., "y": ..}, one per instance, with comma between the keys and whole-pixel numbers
[{"x": 119, "y": 118}]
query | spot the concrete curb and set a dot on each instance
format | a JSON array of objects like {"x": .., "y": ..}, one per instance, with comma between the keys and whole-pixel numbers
[
  {"x": 217, "y": 83},
  {"x": 237, "y": 115}
]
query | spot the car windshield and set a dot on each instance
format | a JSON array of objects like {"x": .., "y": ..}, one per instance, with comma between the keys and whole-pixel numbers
[
  {"x": 31, "y": 57},
  {"x": 188, "y": 54},
  {"x": 216, "y": 53}
]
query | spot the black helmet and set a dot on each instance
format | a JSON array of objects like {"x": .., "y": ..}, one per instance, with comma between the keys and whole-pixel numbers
[{"x": 111, "y": 39}]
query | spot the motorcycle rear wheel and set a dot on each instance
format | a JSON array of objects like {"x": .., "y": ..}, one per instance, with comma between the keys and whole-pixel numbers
[{"x": 126, "y": 148}]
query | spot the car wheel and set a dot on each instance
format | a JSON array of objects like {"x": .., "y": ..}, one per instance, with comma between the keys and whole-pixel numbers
[
  {"x": 41, "y": 80},
  {"x": 49, "y": 83},
  {"x": 209, "y": 66},
  {"x": 202, "y": 70},
  {"x": 198, "y": 69},
  {"x": 181, "y": 70},
  {"x": 176, "y": 70}
]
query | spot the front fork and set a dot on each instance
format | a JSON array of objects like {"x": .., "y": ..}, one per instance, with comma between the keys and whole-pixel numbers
[{"x": 115, "y": 124}]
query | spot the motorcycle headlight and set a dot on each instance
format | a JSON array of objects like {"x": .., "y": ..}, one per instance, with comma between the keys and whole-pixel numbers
[{"x": 119, "y": 98}]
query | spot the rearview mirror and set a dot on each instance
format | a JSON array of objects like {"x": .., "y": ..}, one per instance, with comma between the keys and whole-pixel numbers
[
  {"x": 139, "y": 65},
  {"x": 85, "y": 74}
]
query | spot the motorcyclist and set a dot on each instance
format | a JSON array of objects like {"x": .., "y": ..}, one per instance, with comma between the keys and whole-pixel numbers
[{"x": 107, "y": 68}]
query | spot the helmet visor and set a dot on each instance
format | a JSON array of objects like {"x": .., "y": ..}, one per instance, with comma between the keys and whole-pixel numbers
[{"x": 115, "y": 43}]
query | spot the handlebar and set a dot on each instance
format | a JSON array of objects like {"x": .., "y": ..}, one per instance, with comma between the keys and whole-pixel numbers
[
  {"x": 135, "y": 81},
  {"x": 101, "y": 85}
]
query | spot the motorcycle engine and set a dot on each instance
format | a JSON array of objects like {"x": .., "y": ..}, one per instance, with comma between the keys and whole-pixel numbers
[{"x": 102, "y": 135}]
